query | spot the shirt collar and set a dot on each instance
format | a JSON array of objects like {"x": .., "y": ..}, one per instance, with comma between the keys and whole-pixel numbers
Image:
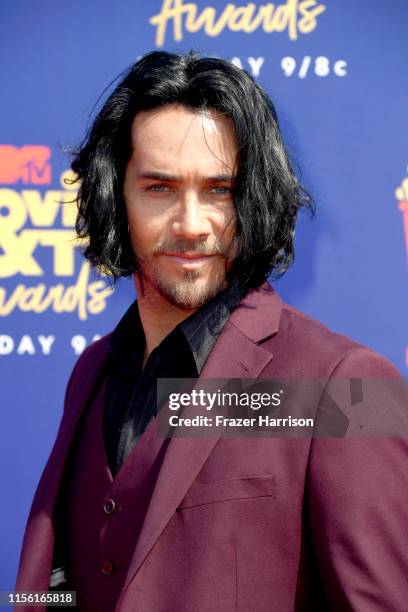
[
  {"x": 201, "y": 330},
  {"x": 203, "y": 327}
]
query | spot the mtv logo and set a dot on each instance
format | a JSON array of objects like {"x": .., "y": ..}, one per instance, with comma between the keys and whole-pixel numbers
[{"x": 29, "y": 164}]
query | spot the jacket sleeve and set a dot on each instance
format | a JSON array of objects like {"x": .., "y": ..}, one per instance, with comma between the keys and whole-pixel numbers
[
  {"x": 36, "y": 557},
  {"x": 357, "y": 493}
]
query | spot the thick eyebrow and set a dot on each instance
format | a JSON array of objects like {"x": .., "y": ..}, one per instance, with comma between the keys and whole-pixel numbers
[{"x": 162, "y": 176}]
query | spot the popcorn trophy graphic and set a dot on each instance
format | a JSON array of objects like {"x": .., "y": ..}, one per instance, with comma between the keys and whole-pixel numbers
[{"x": 401, "y": 193}]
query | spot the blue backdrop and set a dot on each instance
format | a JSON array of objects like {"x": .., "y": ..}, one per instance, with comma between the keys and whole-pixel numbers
[{"x": 337, "y": 72}]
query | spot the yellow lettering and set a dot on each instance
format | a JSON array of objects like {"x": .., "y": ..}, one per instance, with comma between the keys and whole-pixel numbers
[
  {"x": 214, "y": 28},
  {"x": 285, "y": 17},
  {"x": 267, "y": 11},
  {"x": 76, "y": 295},
  {"x": 31, "y": 298},
  {"x": 16, "y": 211},
  {"x": 42, "y": 211},
  {"x": 280, "y": 19},
  {"x": 55, "y": 296},
  {"x": 171, "y": 9},
  {"x": 18, "y": 251},
  {"x": 292, "y": 20},
  {"x": 82, "y": 297},
  {"x": 63, "y": 242},
  {"x": 69, "y": 182},
  {"x": 194, "y": 23},
  {"x": 69, "y": 210},
  {"x": 277, "y": 19},
  {"x": 98, "y": 293},
  {"x": 241, "y": 19},
  {"x": 308, "y": 22},
  {"x": 54, "y": 293},
  {"x": 272, "y": 18},
  {"x": 8, "y": 305}
]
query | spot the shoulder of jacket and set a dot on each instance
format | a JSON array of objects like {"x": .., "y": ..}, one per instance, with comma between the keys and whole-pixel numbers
[
  {"x": 96, "y": 349},
  {"x": 93, "y": 354},
  {"x": 323, "y": 350},
  {"x": 313, "y": 332}
]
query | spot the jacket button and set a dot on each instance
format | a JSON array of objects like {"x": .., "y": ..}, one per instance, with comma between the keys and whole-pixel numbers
[
  {"x": 109, "y": 506},
  {"x": 107, "y": 568}
]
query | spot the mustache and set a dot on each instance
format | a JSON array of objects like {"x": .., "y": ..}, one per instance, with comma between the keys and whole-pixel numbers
[{"x": 191, "y": 246}]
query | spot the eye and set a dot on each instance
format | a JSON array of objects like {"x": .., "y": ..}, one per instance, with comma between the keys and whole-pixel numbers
[
  {"x": 221, "y": 190},
  {"x": 159, "y": 187}
]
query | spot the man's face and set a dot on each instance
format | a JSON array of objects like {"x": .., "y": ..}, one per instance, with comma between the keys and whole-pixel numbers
[{"x": 178, "y": 192}]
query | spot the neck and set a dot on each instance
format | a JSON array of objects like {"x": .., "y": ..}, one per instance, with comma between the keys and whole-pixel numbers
[{"x": 157, "y": 315}]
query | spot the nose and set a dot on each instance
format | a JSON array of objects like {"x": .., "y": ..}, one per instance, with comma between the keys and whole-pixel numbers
[{"x": 191, "y": 221}]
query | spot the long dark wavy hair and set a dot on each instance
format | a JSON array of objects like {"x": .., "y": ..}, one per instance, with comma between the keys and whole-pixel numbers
[{"x": 267, "y": 194}]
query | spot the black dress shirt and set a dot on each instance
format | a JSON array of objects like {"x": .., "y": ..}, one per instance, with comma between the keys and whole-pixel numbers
[{"x": 130, "y": 398}]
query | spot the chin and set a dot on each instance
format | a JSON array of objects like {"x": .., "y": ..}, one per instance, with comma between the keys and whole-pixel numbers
[{"x": 190, "y": 293}]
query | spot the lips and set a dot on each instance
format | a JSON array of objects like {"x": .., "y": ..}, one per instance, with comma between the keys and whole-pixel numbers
[
  {"x": 186, "y": 255},
  {"x": 188, "y": 260}
]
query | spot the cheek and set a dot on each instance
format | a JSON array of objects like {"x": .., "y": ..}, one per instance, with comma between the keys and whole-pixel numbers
[
  {"x": 145, "y": 231},
  {"x": 228, "y": 226}
]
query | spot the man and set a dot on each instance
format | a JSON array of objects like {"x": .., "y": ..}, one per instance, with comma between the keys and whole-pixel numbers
[{"x": 185, "y": 184}]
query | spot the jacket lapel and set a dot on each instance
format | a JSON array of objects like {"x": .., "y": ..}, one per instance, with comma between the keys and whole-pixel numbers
[{"x": 235, "y": 355}]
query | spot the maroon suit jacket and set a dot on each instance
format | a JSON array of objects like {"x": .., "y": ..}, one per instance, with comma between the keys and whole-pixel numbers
[{"x": 257, "y": 524}]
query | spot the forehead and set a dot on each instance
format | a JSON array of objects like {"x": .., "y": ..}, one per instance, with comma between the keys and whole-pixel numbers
[{"x": 177, "y": 139}]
